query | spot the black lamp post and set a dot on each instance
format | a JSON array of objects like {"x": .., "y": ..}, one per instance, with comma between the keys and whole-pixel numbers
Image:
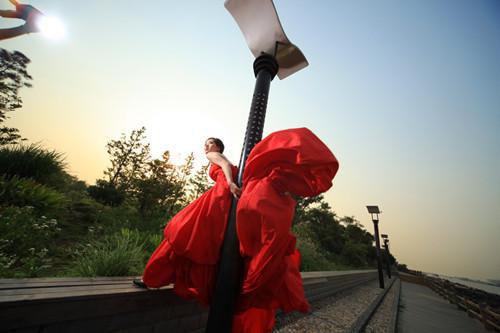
[
  {"x": 374, "y": 211},
  {"x": 387, "y": 254},
  {"x": 275, "y": 55}
]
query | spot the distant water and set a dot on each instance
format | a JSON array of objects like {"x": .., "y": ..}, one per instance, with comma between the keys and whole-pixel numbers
[{"x": 474, "y": 284}]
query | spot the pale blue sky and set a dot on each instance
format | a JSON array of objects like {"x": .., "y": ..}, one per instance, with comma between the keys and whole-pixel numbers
[{"x": 406, "y": 94}]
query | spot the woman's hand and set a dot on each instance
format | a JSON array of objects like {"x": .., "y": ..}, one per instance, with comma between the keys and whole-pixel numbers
[
  {"x": 30, "y": 15},
  {"x": 235, "y": 190}
]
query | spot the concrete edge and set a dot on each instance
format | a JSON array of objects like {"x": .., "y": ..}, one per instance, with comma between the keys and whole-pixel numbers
[
  {"x": 393, "y": 324},
  {"x": 365, "y": 317}
]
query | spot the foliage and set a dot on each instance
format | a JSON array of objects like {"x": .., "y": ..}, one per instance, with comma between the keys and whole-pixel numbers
[
  {"x": 25, "y": 192},
  {"x": 303, "y": 205},
  {"x": 326, "y": 229},
  {"x": 41, "y": 165},
  {"x": 152, "y": 242},
  {"x": 128, "y": 157},
  {"x": 112, "y": 219},
  {"x": 160, "y": 189},
  {"x": 311, "y": 258},
  {"x": 119, "y": 254},
  {"x": 156, "y": 187},
  {"x": 13, "y": 76},
  {"x": 403, "y": 268},
  {"x": 340, "y": 241},
  {"x": 26, "y": 242},
  {"x": 200, "y": 182},
  {"x": 106, "y": 193},
  {"x": 355, "y": 254}
]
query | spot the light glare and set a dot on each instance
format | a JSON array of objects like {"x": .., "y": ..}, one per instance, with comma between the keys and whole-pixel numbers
[{"x": 51, "y": 27}]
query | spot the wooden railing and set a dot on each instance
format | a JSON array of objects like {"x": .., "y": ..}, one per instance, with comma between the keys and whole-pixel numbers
[{"x": 479, "y": 310}]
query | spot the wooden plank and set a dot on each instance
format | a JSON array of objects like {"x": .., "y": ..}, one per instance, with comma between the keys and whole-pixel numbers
[
  {"x": 70, "y": 279},
  {"x": 474, "y": 314},
  {"x": 133, "y": 321},
  {"x": 166, "y": 326},
  {"x": 494, "y": 325},
  {"x": 65, "y": 295},
  {"x": 25, "y": 294},
  {"x": 12, "y": 296},
  {"x": 65, "y": 289},
  {"x": 77, "y": 281},
  {"x": 53, "y": 311},
  {"x": 57, "y": 285},
  {"x": 493, "y": 314}
]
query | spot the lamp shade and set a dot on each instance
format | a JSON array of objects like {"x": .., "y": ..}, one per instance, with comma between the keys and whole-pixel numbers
[
  {"x": 373, "y": 209},
  {"x": 259, "y": 22}
]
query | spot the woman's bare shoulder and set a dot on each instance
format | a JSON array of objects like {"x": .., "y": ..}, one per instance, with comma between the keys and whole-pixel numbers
[{"x": 217, "y": 158}]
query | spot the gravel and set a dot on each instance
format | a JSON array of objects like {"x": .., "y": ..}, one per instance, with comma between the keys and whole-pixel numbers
[
  {"x": 334, "y": 314},
  {"x": 380, "y": 321}
]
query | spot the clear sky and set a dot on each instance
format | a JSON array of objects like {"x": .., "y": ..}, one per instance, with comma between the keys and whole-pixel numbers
[{"x": 405, "y": 93}]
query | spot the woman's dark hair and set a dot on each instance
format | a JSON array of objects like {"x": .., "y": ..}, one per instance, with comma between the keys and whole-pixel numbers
[{"x": 218, "y": 143}]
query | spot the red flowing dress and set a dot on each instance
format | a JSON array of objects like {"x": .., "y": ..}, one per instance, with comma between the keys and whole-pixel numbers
[{"x": 289, "y": 161}]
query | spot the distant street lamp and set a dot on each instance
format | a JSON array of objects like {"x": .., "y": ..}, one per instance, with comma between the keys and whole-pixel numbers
[
  {"x": 275, "y": 55},
  {"x": 374, "y": 211},
  {"x": 387, "y": 255}
]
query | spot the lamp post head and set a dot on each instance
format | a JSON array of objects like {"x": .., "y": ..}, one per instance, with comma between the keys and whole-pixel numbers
[
  {"x": 374, "y": 211},
  {"x": 384, "y": 236},
  {"x": 259, "y": 23}
]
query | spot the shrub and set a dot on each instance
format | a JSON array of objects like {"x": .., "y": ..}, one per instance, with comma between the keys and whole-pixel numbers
[
  {"x": 152, "y": 242},
  {"x": 106, "y": 193},
  {"x": 355, "y": 254},
  {"x": 311, "y": 257},
  {"x": 113, "y": 219},
  {"x": 119, "y": 254},
  {"x": 35, "y": 162},
  {"x": 25, "y": 192},
  {"x": 26, "y": 242}
]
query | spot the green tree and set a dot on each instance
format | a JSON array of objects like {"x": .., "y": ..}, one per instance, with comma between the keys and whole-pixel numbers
[
  {"x": 200, "y": 182},
  {"x": 359, "y": 249},
  {"x": 158, "y": 188},
  {"x": 354, "y": 254},
  {"x": 106, "y": 193},
  {"x": 129, "y": 157},
  {"x": 327, "y": 230},
  {"x": 13, "y": 76},
  {"x": 303, "y": 205},
  {"x": 355, "y": 232}
]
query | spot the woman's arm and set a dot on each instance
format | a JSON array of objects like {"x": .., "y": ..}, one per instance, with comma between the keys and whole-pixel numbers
[
  {"x": 9, "y": 13},
  {"x": 14, "y": 32},
  {"x": 221, "y": 160},
  {"x": 24, "y": 12}
]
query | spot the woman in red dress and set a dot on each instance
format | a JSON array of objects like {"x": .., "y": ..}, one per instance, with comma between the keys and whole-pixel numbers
[{"x": 285, "y": 163}]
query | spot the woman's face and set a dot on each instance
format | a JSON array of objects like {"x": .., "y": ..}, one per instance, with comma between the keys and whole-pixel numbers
[{"x": 210, "y": 146}]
